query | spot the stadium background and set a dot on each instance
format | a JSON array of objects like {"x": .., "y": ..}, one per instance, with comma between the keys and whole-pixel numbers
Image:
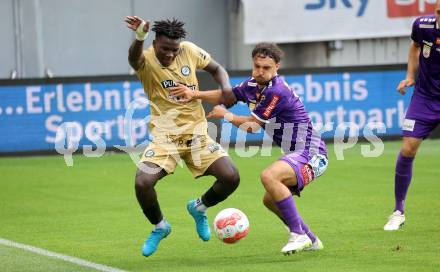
[{"x": 75, "y": 45}]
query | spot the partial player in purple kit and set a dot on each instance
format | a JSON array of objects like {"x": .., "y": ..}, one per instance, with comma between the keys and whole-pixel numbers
[
  {"x": 423, "y": 114},
  {"x": 279, "y": 111}
]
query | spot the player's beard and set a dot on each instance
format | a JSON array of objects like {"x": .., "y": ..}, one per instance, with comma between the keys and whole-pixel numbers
[{"x": 261, "y": 82}]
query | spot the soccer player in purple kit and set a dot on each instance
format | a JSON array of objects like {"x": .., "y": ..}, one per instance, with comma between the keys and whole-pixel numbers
[
  {"x": 278, "y": 110},
  {"x": 423, "y": 113}
]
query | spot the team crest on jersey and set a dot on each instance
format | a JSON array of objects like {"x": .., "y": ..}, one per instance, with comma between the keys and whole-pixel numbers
[
  {"x": 185, "y": 70},
  {"x": 426, "y": 50}
]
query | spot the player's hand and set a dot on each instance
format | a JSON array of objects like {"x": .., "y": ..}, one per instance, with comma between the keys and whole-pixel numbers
[
  {"x": 408, "y": 82},
  {"x": 184, "y": 93},
  {"x": 133, "y": 23},
  {"x": 218, "y": 111}
]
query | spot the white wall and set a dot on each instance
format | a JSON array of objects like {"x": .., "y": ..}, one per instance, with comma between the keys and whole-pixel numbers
[
  {"x": 318, "y": 54},
  {"x": 7, "y": 45},
  {"x": 89, "y": 37}
]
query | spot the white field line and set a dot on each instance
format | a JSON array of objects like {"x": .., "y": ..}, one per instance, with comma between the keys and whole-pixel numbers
[{"x": 77, "y": 261}]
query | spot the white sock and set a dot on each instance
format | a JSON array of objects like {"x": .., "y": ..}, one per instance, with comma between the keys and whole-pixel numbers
[
  {"x": 162, "y": 224},
  {"x": 200, "y": 206}
]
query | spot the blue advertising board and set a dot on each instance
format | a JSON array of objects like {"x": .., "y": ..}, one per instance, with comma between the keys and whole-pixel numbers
[
  {"x": 332, "y": 99},
  {"x": 30, "y": 115}
]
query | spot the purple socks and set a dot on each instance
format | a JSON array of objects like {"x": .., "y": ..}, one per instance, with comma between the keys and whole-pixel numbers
[
  {"x": 290, "y": 214},
  {"x": 402, "y": 180},
  {"x": 308, "y": 231}
]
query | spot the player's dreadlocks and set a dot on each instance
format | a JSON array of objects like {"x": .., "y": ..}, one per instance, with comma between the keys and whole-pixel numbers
[
  {"x": 270, "y": 50},
  {"x": 171, "y": 29}
]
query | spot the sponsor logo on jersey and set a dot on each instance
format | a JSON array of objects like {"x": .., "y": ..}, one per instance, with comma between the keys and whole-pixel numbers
[
  {"x": 271, "y": 106},
  {"x": 426, "y": 26},
  {"x": 307, "y": 174},
  {"x": 185, "y": 70},
  {"x": 168, "y": 83},
  {"x": 428, "y": 43},
  {"x": 410, "y": 8}
]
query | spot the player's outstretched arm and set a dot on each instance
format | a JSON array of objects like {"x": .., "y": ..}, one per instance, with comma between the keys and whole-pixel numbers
[
  {"x": 247, "y": 123},
  {"x": 185, "y": 94},
  {"x": 221, "y": 76},
  {"x": 140, "y": 27},
  {"x": 412, "y": 69}
]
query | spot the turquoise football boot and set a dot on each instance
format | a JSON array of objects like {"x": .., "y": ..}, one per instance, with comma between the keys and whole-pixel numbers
[
  {"x": 201, "y": 220},
  {"x": 151, "y": 244}
]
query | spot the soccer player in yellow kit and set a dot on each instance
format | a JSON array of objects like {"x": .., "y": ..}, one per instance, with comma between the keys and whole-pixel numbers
[{"x": 179, "y": 130}]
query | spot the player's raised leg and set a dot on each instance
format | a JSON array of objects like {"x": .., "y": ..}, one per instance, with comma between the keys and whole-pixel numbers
[
  {"x": 276, "y": 179},
  {"x": 227, "y": 180},
  {"x": 147, "y": 198},
  {"x": 402, "y": 180}
]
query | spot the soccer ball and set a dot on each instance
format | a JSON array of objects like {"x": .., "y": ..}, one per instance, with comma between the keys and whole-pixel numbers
[{"x": 231, "y": 225}]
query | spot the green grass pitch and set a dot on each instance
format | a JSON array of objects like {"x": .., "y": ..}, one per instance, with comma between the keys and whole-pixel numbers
[{"x": 89, "y": 211}]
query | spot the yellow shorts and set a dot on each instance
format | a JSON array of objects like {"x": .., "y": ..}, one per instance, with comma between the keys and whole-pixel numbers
[{"x": 197, "y": 151}]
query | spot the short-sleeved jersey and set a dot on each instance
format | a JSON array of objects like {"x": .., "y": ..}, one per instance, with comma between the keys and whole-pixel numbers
[
  {"x": 426, "y": 33},
  {"x": 277, "y": 104},
  {"x": 168, "y": 115}
]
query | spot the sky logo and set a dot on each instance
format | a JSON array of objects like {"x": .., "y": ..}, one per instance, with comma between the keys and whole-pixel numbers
[
  {"x": 358, "y": 5},
  {"x": 409, "y": 8}
]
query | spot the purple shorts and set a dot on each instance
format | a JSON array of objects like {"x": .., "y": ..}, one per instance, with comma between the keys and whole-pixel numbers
[
  {"x": 422, "y": 117},
  {"x": 303, "y": 171}
]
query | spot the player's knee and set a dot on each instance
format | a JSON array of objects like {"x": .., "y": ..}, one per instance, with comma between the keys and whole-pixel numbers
[
  {"x": 144, "y": 181},
  {"x": 266, "y": 178},
  {"x": 408, "y": 151},
  {"x": 232, "y": 178}
]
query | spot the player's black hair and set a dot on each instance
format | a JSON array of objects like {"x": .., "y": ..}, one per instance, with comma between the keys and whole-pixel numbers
[
  {"x": 172, "y": 29},
  {"x": 270, "y": 50}
]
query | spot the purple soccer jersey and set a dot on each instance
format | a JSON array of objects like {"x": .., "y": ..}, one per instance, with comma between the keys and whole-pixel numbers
[
  {"x": 283, "y": 114},
  {"x": 426, "y": 33},
  {"x": 287, "y": 122},
  {"x": 423, "y": 113}
]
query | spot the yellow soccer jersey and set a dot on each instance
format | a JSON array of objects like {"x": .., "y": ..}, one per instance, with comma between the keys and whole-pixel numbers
[{"x": 168, "y": 116}]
